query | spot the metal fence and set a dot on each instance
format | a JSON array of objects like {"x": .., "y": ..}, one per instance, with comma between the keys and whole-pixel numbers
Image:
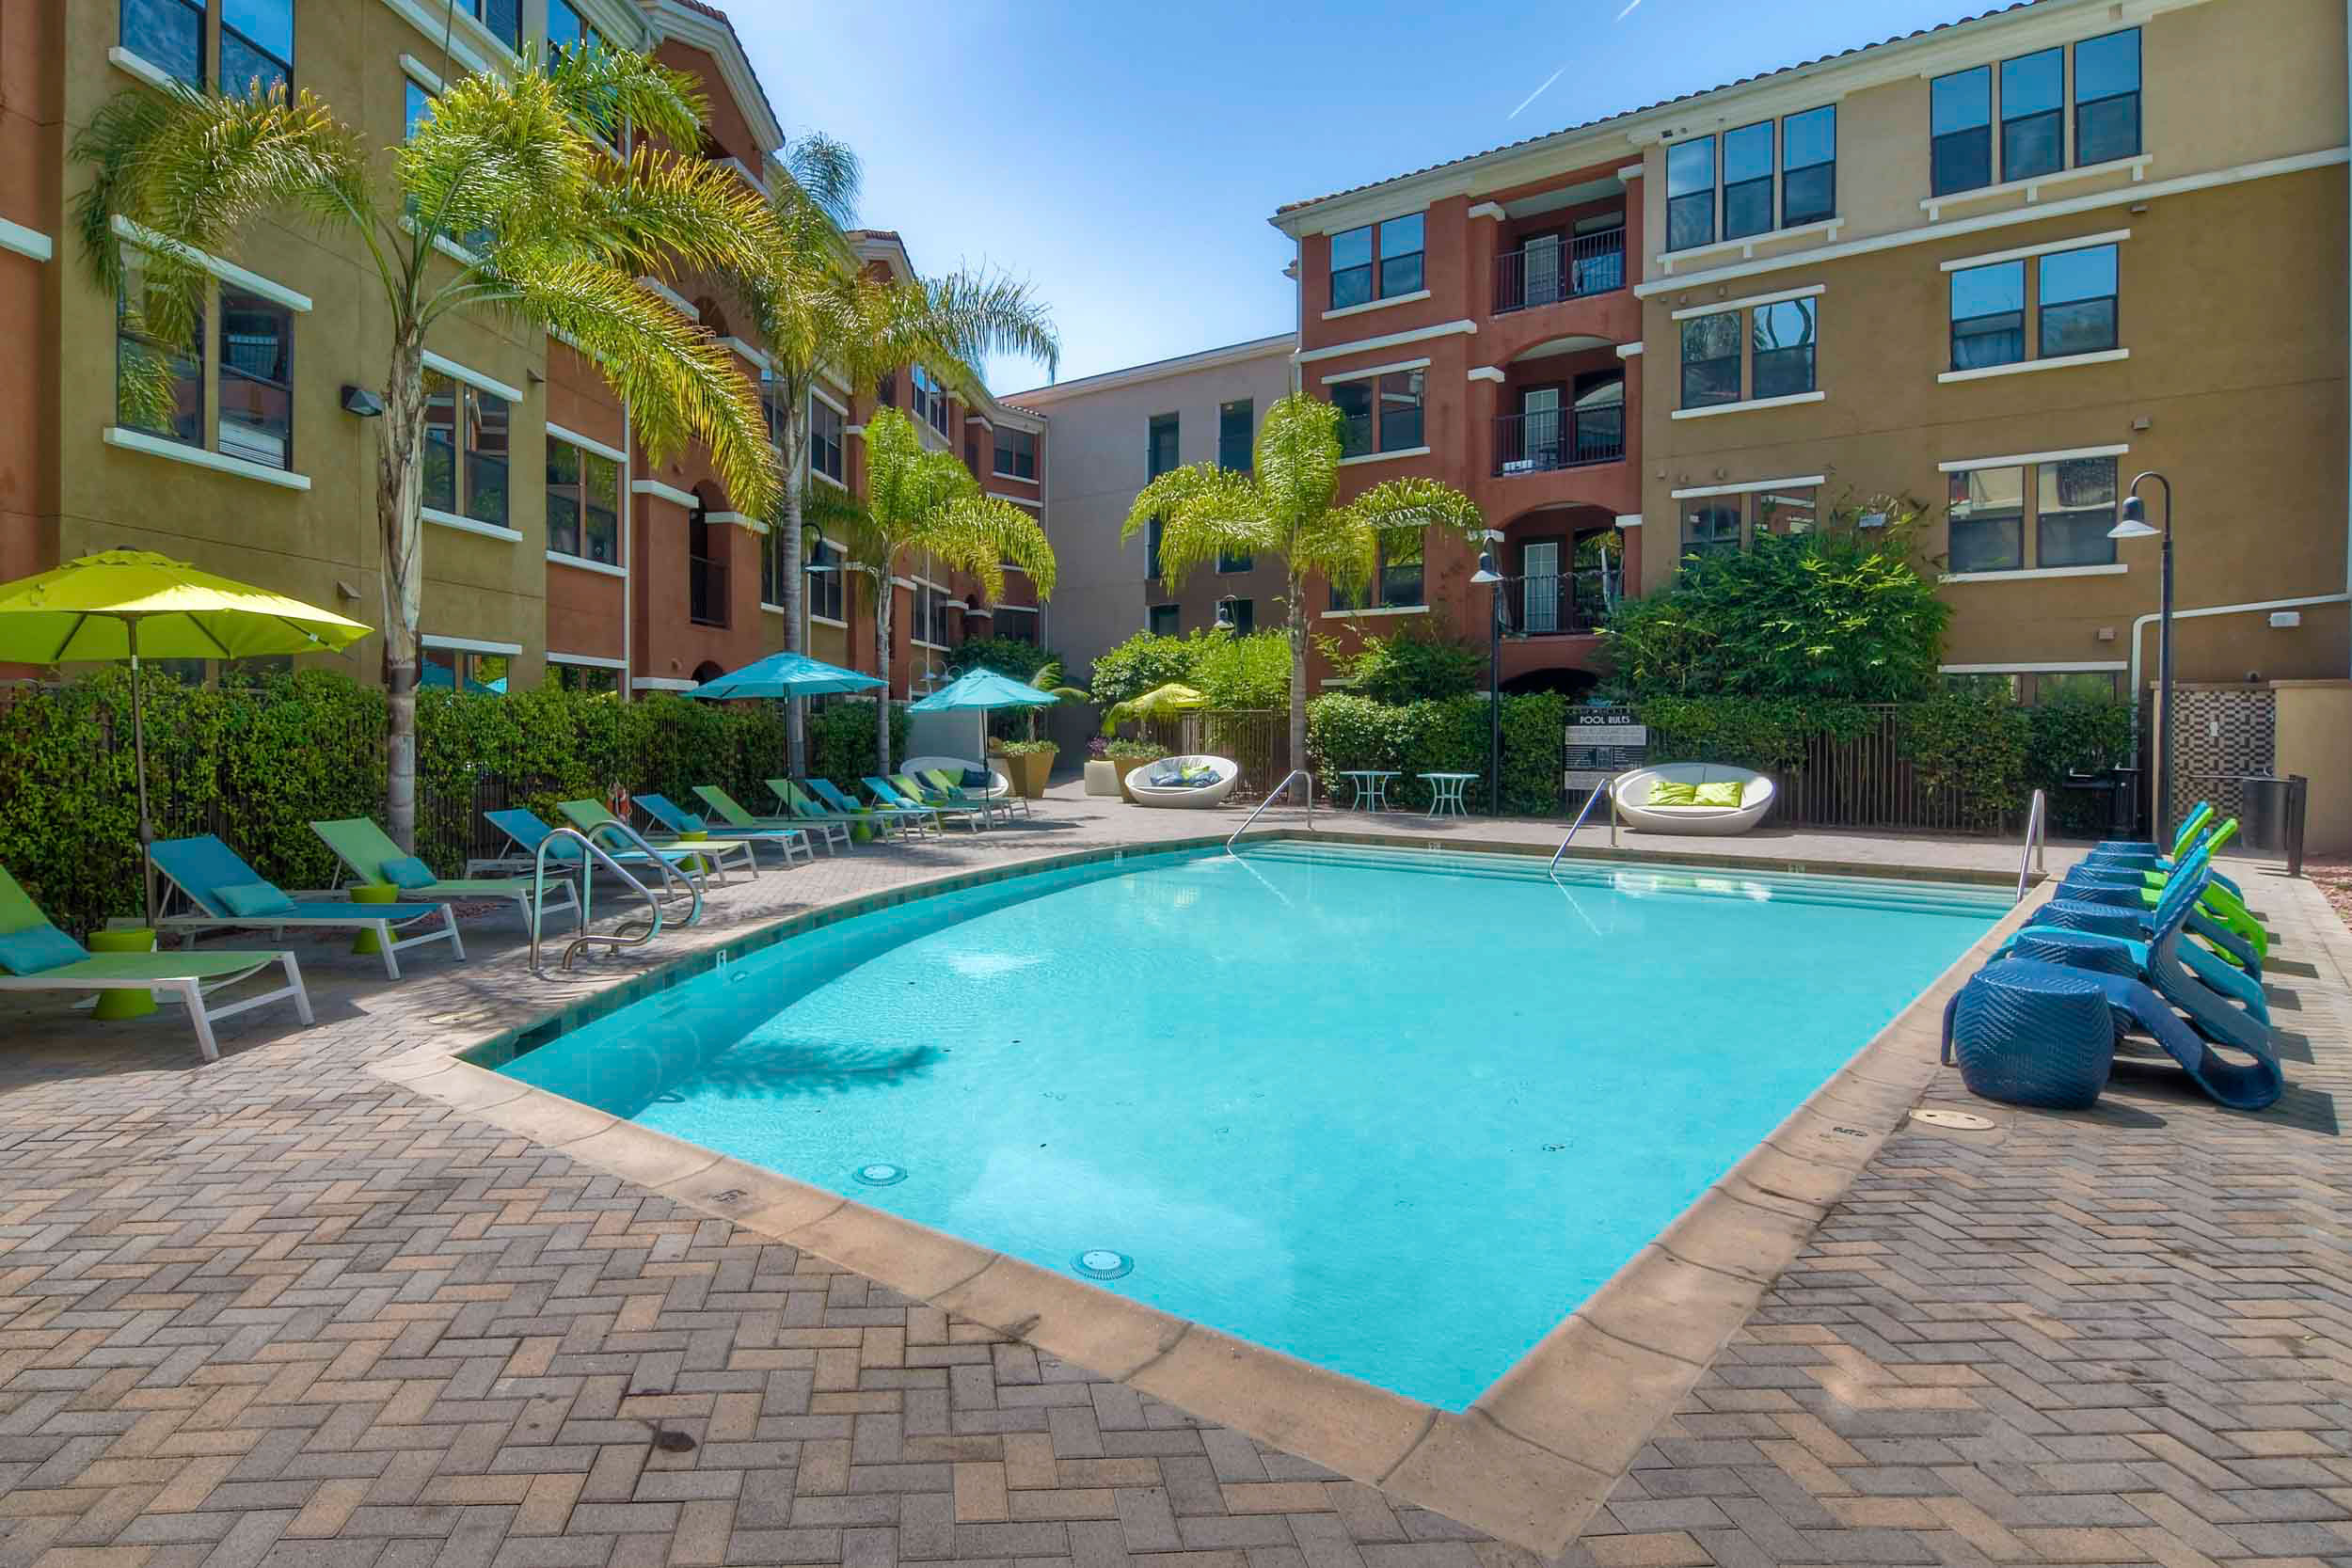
[
  {"x": 1866, "y": 783},
  {"x": 1257, "y": 738}
]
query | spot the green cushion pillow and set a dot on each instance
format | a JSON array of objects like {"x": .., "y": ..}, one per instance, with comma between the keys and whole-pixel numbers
[
  {"x": 406, "y": 871},
  {"x": 38, "y": 947},
  {"x": 1726, "y": 794},
  {"x": 1664, "y": 794},
  {"x": 253, "y": 898}
]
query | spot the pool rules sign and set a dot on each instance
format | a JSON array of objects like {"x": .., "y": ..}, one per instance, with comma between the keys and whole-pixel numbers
[{"x": 1603, "y": 742}]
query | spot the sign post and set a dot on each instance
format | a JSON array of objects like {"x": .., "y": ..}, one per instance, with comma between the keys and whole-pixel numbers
[{"x": 1601, "y": 743}]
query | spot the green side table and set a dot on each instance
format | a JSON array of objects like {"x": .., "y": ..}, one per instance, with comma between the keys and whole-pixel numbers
[
  {"x": 123, "y": 938},
  {"x": 371, "y": 892},
  {"x": 697, "y": 835}
]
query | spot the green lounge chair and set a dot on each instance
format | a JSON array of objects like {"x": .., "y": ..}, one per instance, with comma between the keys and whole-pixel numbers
[
  {"x": 189, "y": 978},
  {"x": 923, "y": 792},
  {"x": 678, "y": 820},
  {"x": 809, "y": 811},
  {"x": 905, "y": 818},
  {"x": 886, "y": 794},
  {"x": 366, "y": 849},
  {"x": 834, "y": 836},
  {"x": 610, "y": 833},
  {"x": 202, "y": 870},
  {"x": 947, "y": 784},
  {"x": 527, "y": 830}
]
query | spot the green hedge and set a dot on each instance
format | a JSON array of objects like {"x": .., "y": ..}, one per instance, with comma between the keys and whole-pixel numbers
[
  {"x": 258, "y": 765},
  {"x": 1443, "y": 736}
]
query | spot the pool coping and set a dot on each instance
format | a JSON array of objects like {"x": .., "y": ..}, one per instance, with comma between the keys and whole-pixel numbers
[{"x": 1530, "y": 1459}]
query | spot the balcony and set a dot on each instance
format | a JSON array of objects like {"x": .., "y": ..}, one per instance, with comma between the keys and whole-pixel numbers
[
  {"x": 1548, "y": 270},
  {"x": 1558, "y": 604},
  {"x": 1552, "y": 438},
  {"x": 706, "y": 591}
]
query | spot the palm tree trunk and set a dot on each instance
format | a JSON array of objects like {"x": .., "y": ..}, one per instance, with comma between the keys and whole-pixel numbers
[
  {"x": 882, "y": 668},
  {"x": 1298, "y": 676},
  {"x": 788, "y": 591},
  {"x": 399, "y": 480}
]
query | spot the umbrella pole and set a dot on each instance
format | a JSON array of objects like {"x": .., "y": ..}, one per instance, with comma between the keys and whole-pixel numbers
[{"x": 138, "y": 751}]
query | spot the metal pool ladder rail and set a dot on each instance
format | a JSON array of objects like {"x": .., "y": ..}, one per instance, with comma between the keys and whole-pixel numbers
[
  {"x": 627, "y": 934},
  {"x": 2036, "y": 827},
  {"x": 1272, "y": 795},
  {"x": 1582, "y": 812}
]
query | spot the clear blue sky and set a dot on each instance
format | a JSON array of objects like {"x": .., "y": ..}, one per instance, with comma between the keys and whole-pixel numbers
[{"x": 1125, "y": 156}]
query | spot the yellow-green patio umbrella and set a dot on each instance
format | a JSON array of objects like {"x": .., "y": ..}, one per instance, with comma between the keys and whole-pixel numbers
[{"x": 134, "y": 604}]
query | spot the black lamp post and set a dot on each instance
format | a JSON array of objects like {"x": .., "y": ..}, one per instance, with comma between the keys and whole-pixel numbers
[
  {"x": 2134, "y": 524},
  {"x": 1488, "y": 575}
]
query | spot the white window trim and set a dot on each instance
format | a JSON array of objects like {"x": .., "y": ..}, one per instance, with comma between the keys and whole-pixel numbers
[
  {"x": 470, "y": 645},
  {"x": 132, "y": 63},
  {"x": 558, "y": 557},
  {"x": 2042, "y": 667},
  {"x": 907, "y": 583},
  {"x": 1368, "y": 372},
  {"x": 1794, "y": 482},
  {"x": 1933, "y": 205},
  {"x": 420, "y": 73},
  {"x": 2024, "y": 573},
  {"x": 1966, "y": 464},
  {"x": 1029, "y": 501},
  {"x": 1749, "y": 406},
  {"x": 473, "y": 378},
  {"x": 2022, "y": 366},
  {"x": 594, "y": 661},
  {"x": 1008, "y": 610},
  {"x": 474, "y": 45},
  {"x": 663, "y": 683},
  {"x": 746, "y": 350},
  {"x": 1629, "y": 351},
  {"x": 1394, "y": 340},
  {"x": 684, "y": 307},
  {"x": 1365, "y": 614},
  {"x": 1384, "y": 456},
  {"x": 933, "y": 647},
  {"x": 574, "y": 439},
  {"x": 667, "y": 492},
  {"x": 1629, "y": 519},
  {"x": 1782, "y": 297},
  {"x": 827, "y": 398},
  {"x": 826, "y": 621},
  {"x": 1746, "y": 244},
  {"x": 228, "y": 272},
  {"x": 2083, "y": 242},
  {"x": 815, "y": 472},
  {"x": 739, "y": 519},
  {"x": 25, "y": 241},
  {"x": 202, "y": 457},
  {"x": 995, "y": 472},
  {"x": 1488, "y": 372},
  {"x": 771, "y": 608},
  {"x": 440, "y": 518},
  {"x": 1414, "y": 297}
]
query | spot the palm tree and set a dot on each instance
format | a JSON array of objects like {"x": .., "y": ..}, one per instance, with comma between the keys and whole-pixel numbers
[
  {"x": 504, "y": 201},
  {"x": 815, "y": 311},
  {"x": 1283, "y": 506},
  {"x": 920, "y": 503}
]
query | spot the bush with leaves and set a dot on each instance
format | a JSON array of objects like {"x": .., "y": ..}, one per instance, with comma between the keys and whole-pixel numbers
[
  {"x": 841, "y": 739},
  {"x": 1145, "y": 661},
  {"x": 1346, "y": 732},
  {"x": 1768, "y": 735},
  {"x": 1233, "y": 670},
  {"x": 1007, "y": 655},
  {"x": 2071, "y": 734},
  {"x": 1415, "y": 664}
]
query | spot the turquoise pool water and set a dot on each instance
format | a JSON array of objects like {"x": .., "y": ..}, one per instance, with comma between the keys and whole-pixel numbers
[{"x": 1393, "y": 1112}]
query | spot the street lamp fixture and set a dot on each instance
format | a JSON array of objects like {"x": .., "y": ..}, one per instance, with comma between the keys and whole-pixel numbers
[
  {"x": 1225, "y": 614},
  {"x": 2133, "y": 524},
  {"x": 1493, "y": 580}
]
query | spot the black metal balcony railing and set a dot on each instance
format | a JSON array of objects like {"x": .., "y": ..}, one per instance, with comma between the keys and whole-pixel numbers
[
  {"x": 706, "y": 591},
  {"x": 1558, "y": 438},
  {"x": 1545, "y": 272},
  {"x": 1558, "y": 604}
]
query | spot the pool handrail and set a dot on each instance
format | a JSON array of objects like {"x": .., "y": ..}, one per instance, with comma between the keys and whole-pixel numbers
[
  {"x": 1272, "y": 795},
  {"x": 2037, "y": 827},
  {"x": 1605, "y": 786}
]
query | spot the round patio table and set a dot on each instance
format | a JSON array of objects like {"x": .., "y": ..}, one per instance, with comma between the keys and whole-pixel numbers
[
  {"x": 1371, "y": 785},
  {"x": 1445, "y": 793}
]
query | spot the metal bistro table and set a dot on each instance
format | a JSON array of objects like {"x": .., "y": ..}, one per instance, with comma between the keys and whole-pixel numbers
[
  {"x": 1445, "y": 793},
  {"x": 1372, "y": 786}
]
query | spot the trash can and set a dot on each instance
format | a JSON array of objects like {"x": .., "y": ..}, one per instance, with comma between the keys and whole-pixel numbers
[{"x": 2263, "y": 815}]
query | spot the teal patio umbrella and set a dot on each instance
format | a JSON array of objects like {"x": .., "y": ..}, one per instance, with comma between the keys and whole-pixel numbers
[
  {"x": 786, "y": 676},
  {"x": 980, "y": 691}
]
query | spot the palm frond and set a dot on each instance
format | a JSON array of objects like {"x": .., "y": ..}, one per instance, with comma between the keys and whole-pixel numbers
[
  {"x": 663, "y": 214},
  {"x": 827, "y": 171},
  {"x": 606, "y": 87},
  {"x": 926, "y": 503},
  {"x": 1203, "y": 510},
  {"x": 1401, "y": 511},
  {"x": 976, "y": 315},
  {"x": 1298, "y": 459}
]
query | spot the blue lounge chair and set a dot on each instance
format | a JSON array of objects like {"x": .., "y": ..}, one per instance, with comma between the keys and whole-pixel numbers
[
  {"x": 789, "y": 841},
  {"x": 834, "y": 835},
  {"x": 208, "y": 875},
  {"x": 885, "y": 792},
  {"x": 907, "y": 820},
  {"x": 2183, "y": 837},
  {"x": 527, "y": 829},
  {"x": 610, "y": 834}
]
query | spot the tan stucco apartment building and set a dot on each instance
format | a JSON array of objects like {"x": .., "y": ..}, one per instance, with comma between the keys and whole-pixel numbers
[
  {"x": 1995, "y": 268},
  {"x": 555, "y": 548}
]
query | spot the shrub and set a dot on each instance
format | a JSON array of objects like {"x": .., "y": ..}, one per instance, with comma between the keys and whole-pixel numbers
[
  {"x": 1231, "y": 670},
  {"x": 1412, "y": 665},
  {"x": 1132, "y": 751},
  {"x": 1135, "y": 666},
  {"x": 1766, "y": 735},
  {"x": 2075, "y": 733},
  {"x": 1972, "y": 745},
  {"x": 1007, "y": 655},
  {"x": 841, "y": 739},
  {"x": 1023, "y": 748},
  {"x": 1346, "y": 730}
]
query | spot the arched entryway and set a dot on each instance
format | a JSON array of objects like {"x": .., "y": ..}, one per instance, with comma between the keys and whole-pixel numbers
[{"x": 707, "y": 670}]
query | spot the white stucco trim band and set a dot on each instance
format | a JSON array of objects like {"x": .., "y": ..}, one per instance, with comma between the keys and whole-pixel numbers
[
  {"x": 2022, "y": 366},
  {"x": 1934, "y": 205},
  {"x": 1962, "y": 465},
  {"x": 473, "y": 378},
  {"x": 1363, "y": 373},
  {"x": 2039, "y": 667},
  {"x": 463, "y": 524},
  {"x": 1417, "y": 295},
  {"x": 228, "y": 272},
  {"x": 1749, "y": 406},
  {"x": 1394, "y": 340},
  {"x": 2081, "y": 242},
  {"x": 581, "y": 563},
  {"x": 585, "y": 443},
  {"x": 202, "y": 457},
  {"x": 470, "y": 645},
  {"x": 25, "y": 241},
  {"x": 1743, "y": 486},
  {"x": 667, "y": 492},
  {"x": 594, "y": 661},
  {"x": 1719, "y": 307},
  {"x": 2029, "y": 574}
]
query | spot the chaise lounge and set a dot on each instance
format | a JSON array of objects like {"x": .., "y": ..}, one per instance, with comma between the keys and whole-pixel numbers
[
  {"x": 1703, "y": 798},
  {"x": 1195, "y": 783}
]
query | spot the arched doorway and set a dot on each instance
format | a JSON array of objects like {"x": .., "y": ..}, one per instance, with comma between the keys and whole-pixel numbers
[{"x": 707, "y": 670}]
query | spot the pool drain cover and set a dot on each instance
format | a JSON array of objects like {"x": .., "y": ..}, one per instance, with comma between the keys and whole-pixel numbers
[
  {"x": 1958, "y": 1121},
  {"x": 882, "y": 1173},
  {"x": 1103, "y": 1263}
]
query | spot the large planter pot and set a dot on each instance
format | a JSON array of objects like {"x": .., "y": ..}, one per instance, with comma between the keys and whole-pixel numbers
[
  {"x": 1103, "y": 777},
  {"x": 1028, "y": 771},
  {"x": 1128, "y": 766}
]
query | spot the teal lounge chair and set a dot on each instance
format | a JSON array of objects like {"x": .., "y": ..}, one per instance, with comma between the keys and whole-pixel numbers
[
  {"x": 610, "y": 834},
  {"x": 808, "y": 813},
  {"x": 214, "y": 879},
  {"x": 527, "y": 831},
  {"x": 36, "y": 956},
  {"x": 905, "y": 818},
  {"x": 790, "y": 841},
  {"x": 834, "y": 836},
  {"x": 928, "y": 792},
  {"x": 948, "y": 784},
  {"x": 368, "y": 853},
  {"x": 886, "y": 794}
]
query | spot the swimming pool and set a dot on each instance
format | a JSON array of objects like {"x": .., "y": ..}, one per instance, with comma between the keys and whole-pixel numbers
[{"x": 1392, "y": 1112}]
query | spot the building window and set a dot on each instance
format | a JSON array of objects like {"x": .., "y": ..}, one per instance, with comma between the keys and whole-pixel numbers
[
  {"x": 1960, "y": 130},
  {"x": 2033, "y": 114},
  {"x": 706, "y": 603},
  {"x": 2107, "y": 98},
  {"x": 583, "y": 503},
  {"x": 1400, "y": 410},
  {"x": 1152, "y": 548},
  {"x": 1691, "y": 194},
  {"x": 463, "y": 670},
  {"x": 1016, "y": 453},
  {"x": 2074, "y": 508},
  {"x": 930, "y": 399},
  {"x": 1164, "y": 619},
  {"x": 593, "y": 679},
  {"x": 1353, "y": 399},
  {"x": 1987, "y": 508},
  {"x": 1784, "y": 338},
  {"x": 1229, "y": 562},
  {"x": 158, "y": 389},
  {"x": 1808, "y": 166},
  {"x": 1711, "y": 528},
  {"x": 1988, "y": 315},
  {"x": 256, "y": 380},
  {"x": 439, "y": 479},
  {"x": 1710, "y": 359},
  {"x": 824, "y": 441},
  {"x": 1396, "y": 581},
  {"x": 1397, "y": 243},
  {"x": 168, "y": 35},
  {"x": 1382, "y": 415},
  {"x": 2057, "y": 684},
  {"x": 161, "y": 390},
  {"x": 971, "y": 454},
  {"x": 486, "y": 420},
  {"x": 1017, "y": 623},
  {"x": 1785, "y": 511},
  {"x": 2077, "y": 307},
  {"x": 256, "y": 42},
  {"x": 934, "y": 612},
  {"x": 1235, "y": 429},
  {"x": 1160, "y": 446},
  {"x": 1596, "y": 432},
  {"x": 1748, "y": 180},
  {"x": 504, "y": 18},
  {"x": 825, "y": 581},
  {"x": 419, "y": 106},
  {"x": 567, "y": 29},
  {"x": 1244, "y": 613}
]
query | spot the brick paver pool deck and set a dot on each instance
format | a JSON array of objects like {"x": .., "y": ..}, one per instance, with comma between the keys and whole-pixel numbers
[{"x": 280, "y": 1310}]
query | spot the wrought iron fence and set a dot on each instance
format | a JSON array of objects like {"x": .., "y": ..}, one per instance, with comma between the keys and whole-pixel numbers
[
  {"x": 1546, "y": 271},
  {"x": 1257, "y": 738},
  {"x": 1866, "y": 782},
  {"x": 1543, "y": 440}
]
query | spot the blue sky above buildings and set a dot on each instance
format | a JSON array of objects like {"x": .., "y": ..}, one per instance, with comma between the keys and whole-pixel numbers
[{"x": 1125, "y": 156}]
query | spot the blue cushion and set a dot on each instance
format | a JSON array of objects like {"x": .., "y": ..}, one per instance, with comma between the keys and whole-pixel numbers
[
  {"x": 253, "y": 898},
  {"x": 977, "y": 778},
  {"x": 38, "y": 947},
  {"x": 407, "y": 871}
]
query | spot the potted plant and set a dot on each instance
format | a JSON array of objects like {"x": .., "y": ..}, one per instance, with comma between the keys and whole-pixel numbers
[
  {"x": 1102, "y": 773},
  {"x": 1128, "y": 755},
  {"x": 1026, "y": 764}
]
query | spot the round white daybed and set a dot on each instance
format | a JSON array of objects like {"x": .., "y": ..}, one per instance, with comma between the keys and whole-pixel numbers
[
  {"x": 1630, "y": 799},
  {"x": 1160, "y": 784},
  {"x": 998, "y": 785}
]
